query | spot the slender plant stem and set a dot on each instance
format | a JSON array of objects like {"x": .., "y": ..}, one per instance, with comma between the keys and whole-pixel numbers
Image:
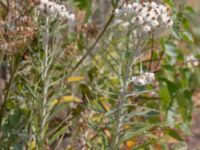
[
  {"x": 2, "y": 107},
  {"x": 45, "y": 68},
  {"x": 119, "y": 115},
  {"x": 152, "y": 50},
  {"x": 119, "y": 119}
]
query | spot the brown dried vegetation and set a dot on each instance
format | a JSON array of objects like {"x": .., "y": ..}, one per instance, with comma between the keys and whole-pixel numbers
[{"x": 17, "y": 27}]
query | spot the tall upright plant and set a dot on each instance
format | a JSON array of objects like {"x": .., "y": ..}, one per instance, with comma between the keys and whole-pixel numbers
[{"x": 69, "y": 83}]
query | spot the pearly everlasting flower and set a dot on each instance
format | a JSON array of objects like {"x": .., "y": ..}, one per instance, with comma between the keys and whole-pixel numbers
[
  {"x": 117, "y": 11},
  {"x": 170, "y": 23},
  {"x": 154, "y": 23},
  {"x": 153, "y": 5},
  {"x": 54, "y": 9},
  {"x": 148, "y": 16},
  {"x": 129, "y": 6},
  {"x": 192, "y": 61},
  {"x": 139, "y": 20},
  {"x": 165, "y": 18},
  {"x": 163, "y": 8},
  {"x": 143, "y": 79},
  {"x": 146, "y": 28}
]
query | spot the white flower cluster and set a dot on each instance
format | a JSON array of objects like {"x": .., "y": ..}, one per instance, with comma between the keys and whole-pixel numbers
[
  {"x": 143, "y": 79},
  {"x": 192, "y": 61},
  {"x": 148, "y": 15},
  {"x": 55, "y": 9}
]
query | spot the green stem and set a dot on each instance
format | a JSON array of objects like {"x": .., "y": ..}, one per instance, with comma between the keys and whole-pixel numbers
[
  {"x": 2, "y": 107},
  {"x": 45, "y": 68},
  {"x": 119, "y": 120}
]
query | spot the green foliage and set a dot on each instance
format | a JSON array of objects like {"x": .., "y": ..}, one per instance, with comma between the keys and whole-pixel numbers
[{"x": 65, "y": 85}]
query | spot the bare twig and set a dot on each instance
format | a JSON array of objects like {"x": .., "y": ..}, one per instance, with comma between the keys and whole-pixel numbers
[{"x": 91, "y": 48}]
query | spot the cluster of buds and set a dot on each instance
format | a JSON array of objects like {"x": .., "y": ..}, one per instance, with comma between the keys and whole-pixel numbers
[
  {"x": 143, "y": 79},
  {"x": 148, "y": 15},
  {"x": 55, "y": 9},
  {"x": 192, "y": 61}
]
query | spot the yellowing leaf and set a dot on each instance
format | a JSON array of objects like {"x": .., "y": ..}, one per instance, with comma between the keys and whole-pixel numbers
[
  {"x": 105, "y": 104},
  {"x": 107, "y": 132},
  {"x": 32, "y": 145},
  {"x": 126, "y": 126},
  {"x": 131, "y": 143},
  {"x": 97, "y": 118},
  {"x": 54, "y": 102},
  {"x": 69, "y": 98},
  {"x": 75, "y": 79}
]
